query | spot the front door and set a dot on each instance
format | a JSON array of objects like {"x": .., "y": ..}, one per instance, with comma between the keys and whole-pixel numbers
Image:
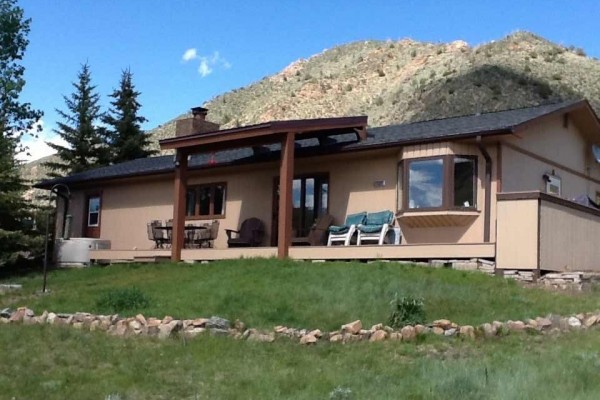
[
  {"x": 310, "y": 200},
  {"x": 91, "y": 223}
]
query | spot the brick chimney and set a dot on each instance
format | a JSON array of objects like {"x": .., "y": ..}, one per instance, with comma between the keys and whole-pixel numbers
[{"x": 196, "y": 124}]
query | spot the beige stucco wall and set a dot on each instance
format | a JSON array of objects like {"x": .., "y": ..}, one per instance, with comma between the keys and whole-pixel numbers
[
  {"x": 568, "y": 239},
  {"x": 517, "y": 233},
  {"x": 550, "y": 140}
]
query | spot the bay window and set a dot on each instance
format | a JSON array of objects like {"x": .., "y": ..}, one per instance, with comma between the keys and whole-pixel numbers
[{"x": 438, "y": 183}]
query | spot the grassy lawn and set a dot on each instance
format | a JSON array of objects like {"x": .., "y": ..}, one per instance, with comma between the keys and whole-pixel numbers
[
  {"x": 48, "y": 362},
  {"x": 264, "y": 293},
  {"x": 51, "y": 362}
]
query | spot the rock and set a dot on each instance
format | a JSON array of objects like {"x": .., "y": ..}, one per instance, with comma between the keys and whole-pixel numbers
[
  {"x": 261, "y": 337},
  {"x": 348, "y": 338},
  {"x": 336, "y": 338},
  {"x": 388, "y": 329},
  {"x": 135, "y": 325},
  {"x": 450, "y": 332},
  {"x": 168, "y": 329},
  {"x": 119, "y": 329},
  {"x": 408, "y": 333},
  {"x": 5, "y": 313},
  {"x": 437, "y": 330},
  {"x": 167, "y": 319},
  {"x": 421, "y": 329},
  {"x": 18, "y": 315},
  {"x": 352, "y": 327},
  {"x": 153, "y": 322},
  {"x": 218, "y": 332},
  {"x": 467, "y": 331},
  {"x": 4, "y": 320},
  {"x": 515, "y": 326},
  {"x": 543, "y": 323},
  {"x": 78, "y": 325},
  {"x": 51, "y": 318},
  {"x": 395, "y": 336},
  {"x": 239, "y": 325},
  {"x": 200, "y": 322},
  {"x": 488, "y": 330},
  {"x": 308, "y": 339},
  {"x": 94, "y": 325},
  {"x": 376, "y": 327},
  {"x": 574, "y": 322},
  {"x": 217, "y": 323},
  {"x": 532, "y": 323},
  {"x": 280, "y": 329},
  {"x": 141, "y": 319},
  {"x": 378, "y": 336},
  {"x": 193, "y": 332},
  {"x": 442, "y": 323},
  {"x": 316, "y": 333},
  {"x": 590, "y": 321}
]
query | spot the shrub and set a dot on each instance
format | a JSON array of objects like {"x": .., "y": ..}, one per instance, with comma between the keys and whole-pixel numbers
[
  {"x": 580, "y": 52},
  {"x": 123, "y": 299},
  {"x": 406, "y": 311},
  {"x": 413, "y": 53},
  {"x": 380, "y": 72},
  {"x": 378, "y": 101}
]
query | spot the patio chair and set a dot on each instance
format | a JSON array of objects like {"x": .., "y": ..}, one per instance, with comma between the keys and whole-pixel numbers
[
  {"x": 251, "y": 234},
  {"x": 317, "y": 236},
  {"x": 206, "y": 237},
  {"x": 155, "y": 234},
  {"x": 375, "y": 227},
  {"x": 344, "y": 233}
]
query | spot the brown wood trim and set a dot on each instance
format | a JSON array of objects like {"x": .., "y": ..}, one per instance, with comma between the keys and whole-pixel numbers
[
  {"x": 92, "y": 231},
  {"x": 180, "y": 192},
  {"x": 498, "y": 167},
  {"x": 286, "y": 177},
  {"x": 211, "y": 207},
  {"x": 535, "y": 195},
  {"x": 551, "y": 162}
]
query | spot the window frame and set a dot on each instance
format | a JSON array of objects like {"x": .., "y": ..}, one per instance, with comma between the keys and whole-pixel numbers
[
  {"x": 447, "y": 183},
  {"x": 89, "y": 211},
  {"x": 211, "y": 207}
]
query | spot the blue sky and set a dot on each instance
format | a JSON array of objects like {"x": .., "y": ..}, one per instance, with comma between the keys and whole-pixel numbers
[{"x": 230, "y": 44}]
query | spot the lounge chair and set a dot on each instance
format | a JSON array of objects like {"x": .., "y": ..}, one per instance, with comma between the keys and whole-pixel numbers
[
  {"x": 344, "y": 233},
  {"x": 206, "y": 237},
  {"x": 375, "y": 227},
  {"x": 317, "y": 236},
  {"x": 251, "y": 234}
]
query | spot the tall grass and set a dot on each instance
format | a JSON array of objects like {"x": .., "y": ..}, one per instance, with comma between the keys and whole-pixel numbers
[{"x": 264, "y": 293}]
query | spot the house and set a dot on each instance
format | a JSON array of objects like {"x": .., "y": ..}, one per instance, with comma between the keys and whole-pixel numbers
[{"x": 497, "y": 186}]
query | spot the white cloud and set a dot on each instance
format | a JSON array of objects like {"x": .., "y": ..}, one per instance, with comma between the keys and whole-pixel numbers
[
  {"x": 207, "y": 64},
  {"x": 37, "y": 147},
  {"x": 190, "y": 54}
]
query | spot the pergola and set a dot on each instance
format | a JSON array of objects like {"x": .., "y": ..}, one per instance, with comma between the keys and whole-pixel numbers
[{"x": 284, "y": 132}]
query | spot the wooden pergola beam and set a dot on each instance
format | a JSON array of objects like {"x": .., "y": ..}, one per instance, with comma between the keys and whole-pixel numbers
[
  {"x": 286, "y": 177},
  {"x": 177, "y": 238}
]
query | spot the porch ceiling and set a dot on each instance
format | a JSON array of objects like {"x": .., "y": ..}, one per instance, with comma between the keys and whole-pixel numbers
[{"x": 265, "y": 133}]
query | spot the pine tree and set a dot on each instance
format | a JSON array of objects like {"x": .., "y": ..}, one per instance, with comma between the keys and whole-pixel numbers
[
  {"x": 16, "y": 118},
  {"x": 86, "y": 145},
  {"x": 126, "y": 138}
]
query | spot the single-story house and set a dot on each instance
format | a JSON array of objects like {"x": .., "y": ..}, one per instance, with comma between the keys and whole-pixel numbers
[{"x": 500, "y": 186}]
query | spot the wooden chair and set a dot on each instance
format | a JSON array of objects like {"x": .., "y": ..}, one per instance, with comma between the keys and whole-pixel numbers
[
  {"x": 251, "y": 234},
  {"x": 317, "y": 236}
]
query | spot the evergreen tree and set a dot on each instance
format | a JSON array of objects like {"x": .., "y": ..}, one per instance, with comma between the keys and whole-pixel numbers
[
  {"x": 126, "y": 138},
  {"x": 16, "y": 118},
  {"x": 86, "y": 145}
]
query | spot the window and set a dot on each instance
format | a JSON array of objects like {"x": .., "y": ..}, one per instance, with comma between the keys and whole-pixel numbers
[
  {"x": 206, "y": 201},
  {"x": 309, "y": 201},
  {"x": 438, "y": 183},
  {"x": 93, "y": 217}
]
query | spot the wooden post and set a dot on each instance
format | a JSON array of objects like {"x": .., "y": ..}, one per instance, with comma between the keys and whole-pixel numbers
[
  {"x": 286, "y": 176},
  {"x": 177, "y": 238}
]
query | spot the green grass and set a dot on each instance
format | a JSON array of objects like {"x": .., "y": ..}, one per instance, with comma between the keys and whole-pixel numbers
[
  {"x": 48, "y": 362},
  {"x": 264, "y": 293}
]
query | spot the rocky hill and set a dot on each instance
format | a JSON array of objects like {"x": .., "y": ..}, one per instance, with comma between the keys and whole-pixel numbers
[{"x": 405, "y": 81}]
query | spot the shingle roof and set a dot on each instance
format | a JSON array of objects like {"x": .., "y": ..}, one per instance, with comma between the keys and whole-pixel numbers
[{"x": 432, "y": 130}]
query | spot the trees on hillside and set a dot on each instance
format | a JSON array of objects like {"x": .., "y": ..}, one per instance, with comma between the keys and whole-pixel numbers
[
  {"x": 16, "y": 118},
  {"x": 125, "y": 136},
  {"x": 86, "y": 146}
]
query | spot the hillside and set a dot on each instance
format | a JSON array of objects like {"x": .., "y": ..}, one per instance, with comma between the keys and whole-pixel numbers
[{"x": 406, "y": 81}]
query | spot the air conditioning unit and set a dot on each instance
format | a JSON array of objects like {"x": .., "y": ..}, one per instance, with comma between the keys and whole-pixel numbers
[{"x": 76, "y": 251}]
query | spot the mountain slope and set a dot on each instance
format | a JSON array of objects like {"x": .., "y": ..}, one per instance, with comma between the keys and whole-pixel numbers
[{"x": 406, "y": 80}]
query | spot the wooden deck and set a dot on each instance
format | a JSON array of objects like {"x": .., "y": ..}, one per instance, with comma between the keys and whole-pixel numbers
[{"x": 386, "y": 252}]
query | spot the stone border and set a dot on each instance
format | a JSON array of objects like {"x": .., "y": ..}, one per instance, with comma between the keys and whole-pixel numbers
[{"x": 351, "y": 332}]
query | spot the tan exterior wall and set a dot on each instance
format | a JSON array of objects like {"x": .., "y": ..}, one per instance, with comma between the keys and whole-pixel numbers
[
  {"x": 568, "y": 239},
  {"x": 566, "y": 146},
  {"x": 517, "y": 234}
]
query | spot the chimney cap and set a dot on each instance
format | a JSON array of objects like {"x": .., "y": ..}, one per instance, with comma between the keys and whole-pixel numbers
[{"x": 199, "y": 110}]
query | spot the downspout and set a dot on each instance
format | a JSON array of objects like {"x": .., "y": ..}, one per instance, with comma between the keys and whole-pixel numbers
[{"x": 487, "y": 190}]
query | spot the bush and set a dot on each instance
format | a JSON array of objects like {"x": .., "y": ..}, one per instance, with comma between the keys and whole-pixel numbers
[
  {"x": 406, "y": 311},
  {"x": 124, "y": 299}
]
